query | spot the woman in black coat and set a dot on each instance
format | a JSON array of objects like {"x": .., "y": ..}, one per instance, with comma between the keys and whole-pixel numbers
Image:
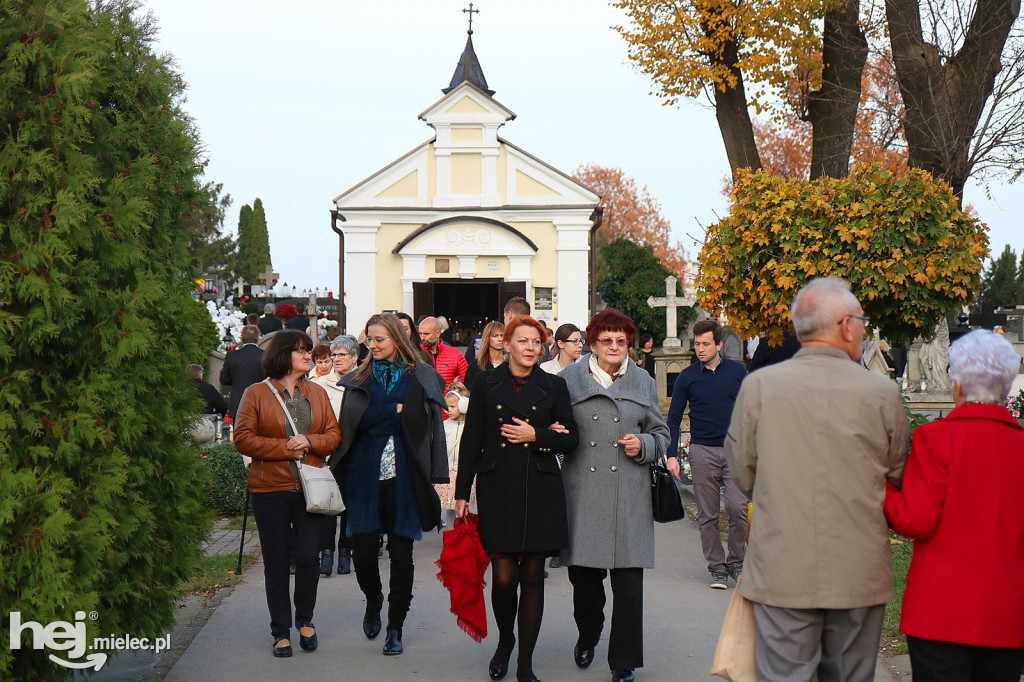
[
  {"x": 519, "y": 417},
  {"x": 392, "y": 450}
]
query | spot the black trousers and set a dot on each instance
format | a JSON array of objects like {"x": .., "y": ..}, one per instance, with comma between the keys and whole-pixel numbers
[
  {"x": 329, "y": 538},
  {"x": 934, "y": 661},
  {"x": 287, "y": 531},
  {"x": 364, "y": 559},
  {"x": 626, "y": 640}
]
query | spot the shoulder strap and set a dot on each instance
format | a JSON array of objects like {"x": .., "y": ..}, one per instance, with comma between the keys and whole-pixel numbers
[{"x": 287, "y": 414}]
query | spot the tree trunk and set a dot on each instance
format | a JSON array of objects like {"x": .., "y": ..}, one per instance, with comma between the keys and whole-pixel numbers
[
  {"x": 732, "y": 113},
  {"x": 832, "y": 110},
  {"x": 945, "y": 95}
]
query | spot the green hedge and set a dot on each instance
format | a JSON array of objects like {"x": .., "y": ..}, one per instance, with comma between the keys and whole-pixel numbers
[{"x": 229, "y": 479}]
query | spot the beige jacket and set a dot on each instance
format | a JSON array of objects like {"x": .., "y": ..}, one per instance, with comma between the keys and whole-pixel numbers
[{"x": 812, "y": 442}]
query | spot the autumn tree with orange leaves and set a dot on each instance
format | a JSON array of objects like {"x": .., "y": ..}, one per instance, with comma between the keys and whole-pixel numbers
[{"x": 631, "y": 213}]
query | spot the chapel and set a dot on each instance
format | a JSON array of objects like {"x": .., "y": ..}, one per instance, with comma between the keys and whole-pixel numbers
[{"x": 466, "y": 221}]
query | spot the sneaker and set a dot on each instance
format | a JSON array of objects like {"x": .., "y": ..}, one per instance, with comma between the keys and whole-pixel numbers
[
  {"x": 735, "y": 572},
  {"x": 719, "y": 580}
]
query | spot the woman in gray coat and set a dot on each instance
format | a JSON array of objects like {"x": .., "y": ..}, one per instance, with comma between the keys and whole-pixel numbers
[{"x": 608, "y": 491}]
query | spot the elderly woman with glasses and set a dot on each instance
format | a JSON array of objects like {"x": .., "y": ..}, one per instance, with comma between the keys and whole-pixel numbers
[
  {"x": 608, "y": 492},
  {"x": 963, "y": 609},
  {"x": 281, "y": 420},
  {"x": 392, "y": 451},
  {"x": 344, "y": 351}
]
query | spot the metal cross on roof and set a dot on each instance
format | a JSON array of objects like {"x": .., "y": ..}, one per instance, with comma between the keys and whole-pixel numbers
[{"x": 471, "y": 12}]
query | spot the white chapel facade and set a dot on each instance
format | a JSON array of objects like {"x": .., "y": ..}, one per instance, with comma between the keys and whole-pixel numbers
[{"x": 465, "y": 221}]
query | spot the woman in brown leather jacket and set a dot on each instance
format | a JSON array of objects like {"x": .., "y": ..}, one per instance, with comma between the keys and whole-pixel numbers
[{"x": 286, "y": 529}]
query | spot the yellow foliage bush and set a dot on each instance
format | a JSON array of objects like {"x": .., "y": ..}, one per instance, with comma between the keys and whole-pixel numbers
[{"x": 908, "y": 251}]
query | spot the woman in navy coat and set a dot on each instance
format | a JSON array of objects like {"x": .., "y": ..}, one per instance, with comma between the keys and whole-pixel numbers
[
  {"x": 392, "y": 450},
  {"x": 519, "y": 418}
]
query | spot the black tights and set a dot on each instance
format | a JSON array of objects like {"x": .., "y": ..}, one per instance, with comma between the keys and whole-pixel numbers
[{"x": 510, "y": 576}]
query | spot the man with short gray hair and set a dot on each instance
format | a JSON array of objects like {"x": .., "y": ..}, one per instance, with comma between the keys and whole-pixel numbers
[
  {"x": 268, "y": 322},
  {"x": 813, "y": 441}
]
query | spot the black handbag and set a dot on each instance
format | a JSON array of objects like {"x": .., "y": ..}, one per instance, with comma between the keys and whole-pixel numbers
[{"x": 665, "y": 500}]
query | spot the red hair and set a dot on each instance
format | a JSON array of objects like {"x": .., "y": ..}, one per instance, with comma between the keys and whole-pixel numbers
[
  {"x": 610, "y": 320},
  {"x": 524, "y": 321}
]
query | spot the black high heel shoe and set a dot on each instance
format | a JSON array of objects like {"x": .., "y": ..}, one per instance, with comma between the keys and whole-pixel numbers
[{"x": 497, "y": 669}]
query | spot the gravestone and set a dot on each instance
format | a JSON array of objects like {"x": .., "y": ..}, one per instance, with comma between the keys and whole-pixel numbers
[{"x": 673, "y": 356}]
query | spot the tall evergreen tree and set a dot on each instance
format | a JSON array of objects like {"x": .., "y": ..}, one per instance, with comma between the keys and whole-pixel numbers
[
  {"x": 244, "y": 265},
  {"x": 260, "y": 240},
  {"x": 99, "y": 490},
  {"x": 1020, "y": 281},
  {"x": 999, "y": 286},
  {"x": 253, "y": 242}
]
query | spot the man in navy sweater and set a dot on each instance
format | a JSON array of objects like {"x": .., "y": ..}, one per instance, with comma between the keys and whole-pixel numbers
[{"x": 709, "y": 387}]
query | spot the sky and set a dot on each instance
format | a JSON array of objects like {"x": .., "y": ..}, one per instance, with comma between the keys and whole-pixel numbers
[{"x": 296, "y": 102}]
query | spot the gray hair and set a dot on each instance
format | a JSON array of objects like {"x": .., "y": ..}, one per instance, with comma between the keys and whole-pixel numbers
[
  {"x": 195, "y": 371},
  {"x": 269, "y": 309},
  {"x": 347, "y": 343},
  {"x": 984, "y": 364},
  {"x": 820, "y": 304}
]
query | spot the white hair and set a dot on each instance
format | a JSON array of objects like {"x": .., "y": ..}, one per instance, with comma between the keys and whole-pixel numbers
[
  {"x": 984, "y": 364},
  {"x": 347, "y": 343},
  {"x": 820, "y": 304}
]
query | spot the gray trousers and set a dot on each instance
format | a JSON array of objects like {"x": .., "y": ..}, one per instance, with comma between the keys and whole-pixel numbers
[
  {"x": 817, "y": 645},
  {"x": 710, "y": 472}
]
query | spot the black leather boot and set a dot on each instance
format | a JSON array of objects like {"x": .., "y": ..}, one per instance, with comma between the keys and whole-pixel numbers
[
  {"x": 371, "y": 620},
  {"x": 393, "y": 642},
  {"x": 345, "y": 561},
  {"x": 326, "y": 561}
]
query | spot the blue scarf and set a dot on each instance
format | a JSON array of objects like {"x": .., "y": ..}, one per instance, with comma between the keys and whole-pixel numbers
[{"x": 388, "y": 373}]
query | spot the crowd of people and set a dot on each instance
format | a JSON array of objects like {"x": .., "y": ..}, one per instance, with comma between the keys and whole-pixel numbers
[{"x": 548, "y": 436}]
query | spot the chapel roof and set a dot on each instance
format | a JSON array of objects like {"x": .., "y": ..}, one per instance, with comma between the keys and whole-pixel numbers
[{"x": 468, "y": 69}]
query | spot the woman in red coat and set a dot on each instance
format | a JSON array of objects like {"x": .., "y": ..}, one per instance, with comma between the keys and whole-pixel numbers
[{"x": 963, "y": 609}]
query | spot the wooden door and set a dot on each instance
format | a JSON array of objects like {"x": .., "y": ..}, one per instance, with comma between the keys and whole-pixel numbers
[
  {"x": 506, "y": 292},
  {"x": 422, "y": 300}
]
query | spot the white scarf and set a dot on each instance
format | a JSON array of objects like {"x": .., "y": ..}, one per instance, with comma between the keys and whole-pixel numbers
[{"x": 602, "y": 377}]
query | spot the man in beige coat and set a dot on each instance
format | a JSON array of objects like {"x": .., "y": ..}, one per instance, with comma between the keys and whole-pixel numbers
[{"x": 812, "y": 441}]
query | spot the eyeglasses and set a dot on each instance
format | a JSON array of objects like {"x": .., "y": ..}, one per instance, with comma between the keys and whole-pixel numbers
[
  {"x": 612, "y": 342},
  {"x": 302, "y": 351},
  {"x": 575, "y": 342},
  {"x": 341, "y": 355},
  {"x": 377, "y": 340},
  {"x": 863, "y": 318}
]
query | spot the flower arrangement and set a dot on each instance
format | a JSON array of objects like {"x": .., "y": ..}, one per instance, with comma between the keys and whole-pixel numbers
[
  {"x": 227, "y": 319},
  {"x": 325, "y": 323},
  {"x": 286, "y": 311},
  {"x": 1015, "y": 404}
]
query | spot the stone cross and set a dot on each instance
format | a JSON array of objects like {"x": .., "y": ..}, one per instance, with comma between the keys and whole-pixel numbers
[
  {"x": 269, "y": 277},
  {"x": 670, "y": 302}
]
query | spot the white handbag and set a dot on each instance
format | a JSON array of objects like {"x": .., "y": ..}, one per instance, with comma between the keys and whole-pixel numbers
[{"x": 318, "y": 484}]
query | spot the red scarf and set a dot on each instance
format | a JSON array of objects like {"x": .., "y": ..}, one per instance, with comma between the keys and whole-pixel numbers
[{"x": 463, "y": 563}]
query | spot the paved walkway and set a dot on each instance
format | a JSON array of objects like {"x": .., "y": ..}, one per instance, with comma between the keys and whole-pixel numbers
[
  {"x": 229, "y": 638},
  {"x": 224, "y": 541},
  {"x": 681, "y": 624}
]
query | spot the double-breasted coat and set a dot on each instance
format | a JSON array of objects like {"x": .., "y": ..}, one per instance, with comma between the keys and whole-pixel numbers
[
  {"x": 611, "y": 523},
  {"x": 520, "y": 498}
]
